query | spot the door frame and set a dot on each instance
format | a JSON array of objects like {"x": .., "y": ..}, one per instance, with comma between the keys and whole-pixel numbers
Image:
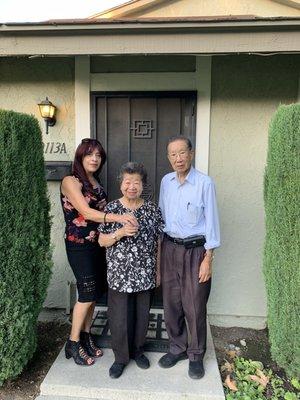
[{"x": 199, "y": 80}]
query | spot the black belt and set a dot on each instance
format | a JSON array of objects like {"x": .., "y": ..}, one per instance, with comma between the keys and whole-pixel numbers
[
  {"x": 191, "y": 241},
  {"x": 174, "y": 240}
]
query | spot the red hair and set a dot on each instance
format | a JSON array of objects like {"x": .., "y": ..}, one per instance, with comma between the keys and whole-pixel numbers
[{"x": 87, "y": 146}]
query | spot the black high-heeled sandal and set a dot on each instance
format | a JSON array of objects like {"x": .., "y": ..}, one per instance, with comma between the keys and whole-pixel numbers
[
  {"x": 89, "y": 346},
  {"x": 75, "y": 350}
]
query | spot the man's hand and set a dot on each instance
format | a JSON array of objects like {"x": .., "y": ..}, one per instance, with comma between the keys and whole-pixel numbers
[{"x": 205, "y": 269}]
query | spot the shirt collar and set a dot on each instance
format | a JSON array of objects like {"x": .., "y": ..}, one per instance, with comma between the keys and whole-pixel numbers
[{"x": 189, "y": 178}]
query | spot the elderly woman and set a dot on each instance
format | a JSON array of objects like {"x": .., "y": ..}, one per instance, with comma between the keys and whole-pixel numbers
[
  {"x": 83, "y": 200},
  {"x": 131, "y": 254}
]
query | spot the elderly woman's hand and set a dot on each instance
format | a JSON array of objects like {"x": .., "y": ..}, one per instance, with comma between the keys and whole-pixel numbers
[
  {"x": 127, "y": 219},
  {"x": 128, "y": 230}
]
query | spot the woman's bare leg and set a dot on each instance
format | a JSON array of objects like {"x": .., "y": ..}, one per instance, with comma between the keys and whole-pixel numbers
[
  {"x": 80, "y": 313},
  {"x": 89, "y": 318},
  {"x": 87, "y": 326}
]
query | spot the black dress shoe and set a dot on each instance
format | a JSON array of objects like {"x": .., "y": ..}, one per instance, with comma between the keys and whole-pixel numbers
[
  {"x": 196, "y": 369},
  {"x": 142, "y": 361},
  {"x": 169, "y": 359},
  {"x": 116, "y": 370}
]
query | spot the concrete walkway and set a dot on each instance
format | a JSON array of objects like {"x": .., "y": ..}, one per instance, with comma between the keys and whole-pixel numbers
[{"x": 67, "y": 381}]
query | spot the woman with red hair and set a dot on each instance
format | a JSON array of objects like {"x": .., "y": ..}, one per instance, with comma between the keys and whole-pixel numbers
[{"x": 83, "y": 200}]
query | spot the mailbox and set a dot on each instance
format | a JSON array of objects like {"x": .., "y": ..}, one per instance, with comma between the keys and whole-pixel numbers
[{"x": 57, "y": 170}]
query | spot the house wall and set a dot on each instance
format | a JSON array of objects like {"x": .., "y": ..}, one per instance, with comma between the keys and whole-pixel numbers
[
  {"x": 246, "y": 90},
  {"x": 191, "y": 8},
  {"x": 23, "y": 84}
]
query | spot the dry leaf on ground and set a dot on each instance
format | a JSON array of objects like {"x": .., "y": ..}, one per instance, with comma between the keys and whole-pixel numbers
[
  {"x": 260, "y": 378},
  {"x": 231, "y": 384},
  {"x": 264, "y": 379},
  {"x": 231, "y": 353},
  {"x": 227, "y": 367}
]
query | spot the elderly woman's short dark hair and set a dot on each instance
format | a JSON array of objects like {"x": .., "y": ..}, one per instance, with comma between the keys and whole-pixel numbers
[{"x": 133, "y": 168}]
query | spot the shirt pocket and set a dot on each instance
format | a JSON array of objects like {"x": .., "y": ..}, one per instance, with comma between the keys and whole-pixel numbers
[{"x": 193, "y": 213}]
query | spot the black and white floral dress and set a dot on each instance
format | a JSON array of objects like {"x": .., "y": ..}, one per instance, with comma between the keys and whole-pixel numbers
[{"x": 131, "y": 261}]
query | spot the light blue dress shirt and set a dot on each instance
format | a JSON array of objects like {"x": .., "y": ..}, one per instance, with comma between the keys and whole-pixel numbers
[{"x": 190, "y": 208}]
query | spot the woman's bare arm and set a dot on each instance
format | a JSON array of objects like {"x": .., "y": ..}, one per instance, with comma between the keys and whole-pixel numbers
[{"x": 71, "y": 188}]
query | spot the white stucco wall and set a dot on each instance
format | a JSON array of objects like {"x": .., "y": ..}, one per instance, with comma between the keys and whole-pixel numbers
[
  {"x": 246, "y": 90},
  {"x": 23, "y": 84}
]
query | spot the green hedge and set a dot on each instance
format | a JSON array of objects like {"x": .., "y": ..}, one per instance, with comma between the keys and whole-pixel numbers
[
  {"x": 282, "y": 244},
  {"x": 25, "y": 262}
]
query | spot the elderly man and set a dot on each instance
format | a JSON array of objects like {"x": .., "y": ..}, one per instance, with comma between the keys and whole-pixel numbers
[{"x": 188, "y": 204}]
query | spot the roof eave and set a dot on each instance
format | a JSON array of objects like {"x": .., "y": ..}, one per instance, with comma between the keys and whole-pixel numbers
[{"x": 152, "y": 24}]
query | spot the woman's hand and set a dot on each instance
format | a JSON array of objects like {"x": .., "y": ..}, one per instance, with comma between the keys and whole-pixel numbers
[
  {"x": 109, "y": 239},
  {"x": 127, "y": 230},
  {"x": 126, "y": 219}
]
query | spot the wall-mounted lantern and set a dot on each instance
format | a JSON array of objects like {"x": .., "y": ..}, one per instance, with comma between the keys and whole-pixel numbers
[{"x": 47, "y": 111}]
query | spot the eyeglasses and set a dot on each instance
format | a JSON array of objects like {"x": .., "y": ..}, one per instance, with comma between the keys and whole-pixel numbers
[{"x": 181, "y": 154}]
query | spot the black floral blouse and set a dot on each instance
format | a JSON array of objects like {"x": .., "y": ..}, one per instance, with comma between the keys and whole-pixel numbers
[
  {"x": 78, "y": 229},
  {"x": 131, "y": 261}
]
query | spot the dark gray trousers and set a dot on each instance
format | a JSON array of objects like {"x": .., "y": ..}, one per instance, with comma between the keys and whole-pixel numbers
[
  {"x": 128, "y": 317},
  {"x": 184, "y": 298}
]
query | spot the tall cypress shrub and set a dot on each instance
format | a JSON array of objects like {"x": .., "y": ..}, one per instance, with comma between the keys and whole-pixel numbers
[
  {"x": 25, "y": 261},
  {"x": 282, "y": 244}
]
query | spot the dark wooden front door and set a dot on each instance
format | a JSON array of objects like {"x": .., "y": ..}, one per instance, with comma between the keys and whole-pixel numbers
[{"x": 136, "y": 127}]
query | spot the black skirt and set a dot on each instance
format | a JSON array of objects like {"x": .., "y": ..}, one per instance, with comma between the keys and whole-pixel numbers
[{"x": 89, "y": 267}]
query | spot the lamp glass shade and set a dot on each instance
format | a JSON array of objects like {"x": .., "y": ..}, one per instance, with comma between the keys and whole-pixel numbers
[{"x": 47, "y": 109}]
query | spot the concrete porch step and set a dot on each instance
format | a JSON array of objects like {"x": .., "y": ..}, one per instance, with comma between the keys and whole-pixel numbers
[
  {"x": 62, "y": 398},
  {"x": 67, "y": 381}
]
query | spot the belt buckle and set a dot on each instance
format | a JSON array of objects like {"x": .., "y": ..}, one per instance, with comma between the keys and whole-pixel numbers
[{"x": 172, "y": 239}]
